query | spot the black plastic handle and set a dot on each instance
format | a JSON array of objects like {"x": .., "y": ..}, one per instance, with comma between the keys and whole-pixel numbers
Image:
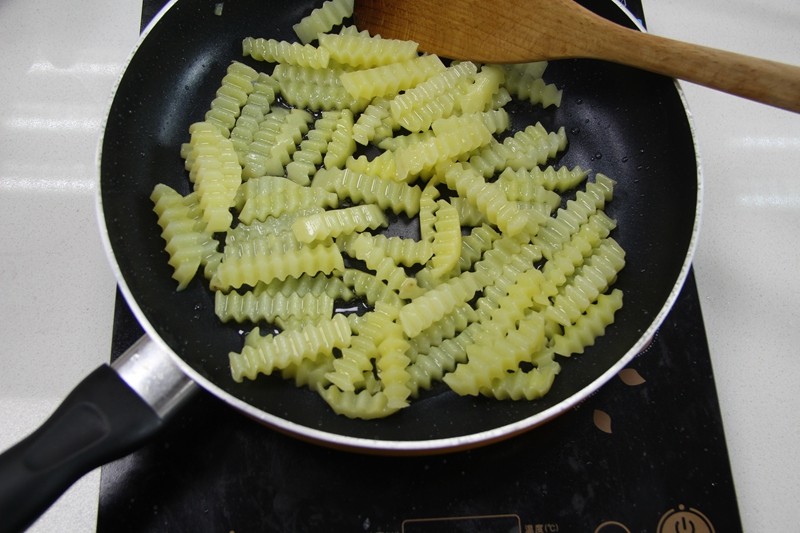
[{"x": 101, "y": 420}]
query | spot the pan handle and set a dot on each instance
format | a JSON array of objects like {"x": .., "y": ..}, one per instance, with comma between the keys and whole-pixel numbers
[{"x": 107, "y": 416}]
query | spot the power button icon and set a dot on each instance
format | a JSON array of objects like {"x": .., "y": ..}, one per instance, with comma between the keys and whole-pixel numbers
[{"x": 684, "y": 520}]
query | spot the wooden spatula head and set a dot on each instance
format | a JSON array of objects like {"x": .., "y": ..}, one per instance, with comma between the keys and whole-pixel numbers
[{"x": 465, "y": 29}]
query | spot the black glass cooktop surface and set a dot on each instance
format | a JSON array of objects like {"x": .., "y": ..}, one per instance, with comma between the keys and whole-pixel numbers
[{"x": 646, "y": 453}]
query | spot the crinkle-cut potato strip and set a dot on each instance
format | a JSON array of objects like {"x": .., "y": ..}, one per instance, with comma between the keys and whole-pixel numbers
[
  {"x": 350, "y": 371},
  {"x": 337, "y": 222},
  {"x": 582, "y": 244},
  {"x": 527, "y": 148},
  {"x": 275, "y": 51},
  {"x": 483, "y": 372},
  {"x": 507, "y": 337},
  {"x": 525, "y": 81},
  {"x": 363, "y": 404},
  {"x": 276, "y": 234},
  {"x": 500, "y": 269},
  {"x": 493, "y": 356},
  {"x": 516, "y": 300},
  {"x": 511, "y": 268},
  {"x": 447, "y": 328},
  {"x": 557, "y": 230},
  {"x": 454, "y": 139},
  {"x": 383, "y": 266},
  {"x": 316, "y": 89},
  {"x": 430, "y": 367},
  {"x": 479, "y": 240},
  {"x": 248, "y": 240},
  {"x": 369, "y": 189},
  {"x": 233, "y": 273},
  {"x": 490, "y": 200},
  {"x": 446, "y": 239},
  {"x": 427, "y": 210},
  {"x": 316, "y": 285},
  {"x": 320, "y": 97},
  {"x": 253, "y": 306},
  {"x": 534, "y": 146},
  {"x": 188, "y": 243},
  {"x": 346, "y": 29},
  {"x": 592, "y": 279},
  {"x": 589, "y": 326},
  {"x": 434, "y": 304},
  {"x": 520, "y": 385},
  {"x": 366, "y": 51},
  {"x": 272, "y": 196},
  {"x": 375, "y": 123},
  {"x": 521, "y": 188},
  {"x": 313, "y": 148},
  {"x": 392, "y": 365},
  {"x": 306, "y": 373},
  {"x": 482, "y": 93},
  {"x": 383, "y": 166},
  {"x": 258, "y": 105},
  {"x": 290, "y": 301},
  {"x": 469, "y": 215},
  {"x": 266, "y": 354},
  {"x": 342, "y": 145},
  {"x": 404, "y": 141},
  {"x": 232, "y": 95},
  {"x": 368, "y": 286},
  {"x": 417, "y": 108},
  {"x": 401, "y": 250},
  {"x": 446, "y": 106},
  {"x": 524, "y": 184},
  {"x": 326, "y": 77},
  {"x": 388, "y": 80},
  {"x": 274, "y": 143},
  {"x": 383, "y": 342},
  {"x": 473, "y": 246},
  {"x": 214, "y": 169},
  {"x": 495, "y": 120},
  {"x": 441, "y": 82},
  {"x": 500, "y": 98},
  {"x": 323, "y": 19}
]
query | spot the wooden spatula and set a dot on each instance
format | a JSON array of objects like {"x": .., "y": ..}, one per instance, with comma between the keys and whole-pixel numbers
[{"x": 517, "y": 31}]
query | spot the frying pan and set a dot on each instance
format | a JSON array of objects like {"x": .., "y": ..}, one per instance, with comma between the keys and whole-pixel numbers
[{"x": 628, "y": 124}]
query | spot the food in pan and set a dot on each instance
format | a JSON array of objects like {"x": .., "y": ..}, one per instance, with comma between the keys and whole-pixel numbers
[{"x": 298, "y": 173}]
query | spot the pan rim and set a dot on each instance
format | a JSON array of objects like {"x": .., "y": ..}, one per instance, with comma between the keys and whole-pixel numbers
[{"x": 396, "y": 447}]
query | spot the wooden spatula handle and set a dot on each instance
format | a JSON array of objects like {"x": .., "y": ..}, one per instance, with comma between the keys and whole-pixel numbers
[
  {"x": 769, "y": 82},
  {"x": 514, "y": 31}
]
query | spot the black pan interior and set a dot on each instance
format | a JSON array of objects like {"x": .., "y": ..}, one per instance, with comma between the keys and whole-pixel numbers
[{"x": 628, "y": 124}]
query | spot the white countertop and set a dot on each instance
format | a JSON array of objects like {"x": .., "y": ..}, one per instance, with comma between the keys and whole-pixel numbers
[{"x": 59, "y": 61}]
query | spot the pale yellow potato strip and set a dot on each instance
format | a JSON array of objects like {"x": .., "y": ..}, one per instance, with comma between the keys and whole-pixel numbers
[{"x": 345, "y": 145}]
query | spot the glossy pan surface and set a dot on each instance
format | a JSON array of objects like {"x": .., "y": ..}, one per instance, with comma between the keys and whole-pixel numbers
[{"x": 628, "y": 124}]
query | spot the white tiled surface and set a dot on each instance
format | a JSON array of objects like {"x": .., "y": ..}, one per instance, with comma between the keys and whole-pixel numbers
[{"x": 59, "y": 61}]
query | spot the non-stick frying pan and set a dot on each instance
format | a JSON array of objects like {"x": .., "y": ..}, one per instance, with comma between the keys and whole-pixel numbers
[{"x": 628, "y": 124}]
